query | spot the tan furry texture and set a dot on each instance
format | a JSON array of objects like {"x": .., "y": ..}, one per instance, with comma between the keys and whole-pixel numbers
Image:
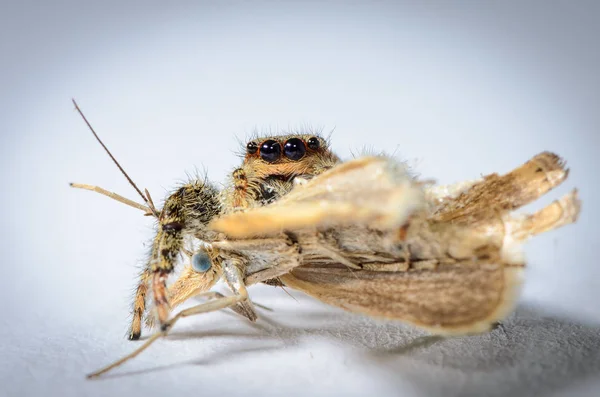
[
  {"x": 367, "y": 191},
  {"x": 387, "y": 247},
  {"x": 187, "y": 212},
  {"x": 362, "y": 235},
  {"x": 453, "y": 299}
]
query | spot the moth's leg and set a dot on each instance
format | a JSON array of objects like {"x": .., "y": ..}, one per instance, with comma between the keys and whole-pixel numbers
[
  {"x": 278, "y": 244},
  {"x": 193, "y": 284},
  {"x": 242, "y": 308},
  {"x": 186, "y": 212},
  {"x": 290, "y": 258},
  {"x": 328, "y": 246},
  {"x": 113, "y": 196},
  {"x": 497, "y": 194},
  {"x": 232, "y": 272},
  {"x": 210, "y": 306}
]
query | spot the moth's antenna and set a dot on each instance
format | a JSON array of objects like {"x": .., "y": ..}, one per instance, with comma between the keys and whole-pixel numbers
[{"x": 147, "y": 200}]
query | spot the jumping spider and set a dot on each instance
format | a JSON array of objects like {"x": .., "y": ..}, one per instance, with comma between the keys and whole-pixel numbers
[{"x": 270, "y": 168}]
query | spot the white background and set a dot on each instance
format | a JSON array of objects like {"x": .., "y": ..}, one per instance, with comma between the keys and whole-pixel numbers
[{"x": 458, "y": 89}]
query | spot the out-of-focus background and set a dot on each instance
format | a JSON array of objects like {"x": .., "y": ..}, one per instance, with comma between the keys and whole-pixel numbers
[{"x": 458, "y": 89}]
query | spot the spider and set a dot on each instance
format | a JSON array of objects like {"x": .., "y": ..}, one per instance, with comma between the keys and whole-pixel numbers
[{"x": 271, "y": 166}]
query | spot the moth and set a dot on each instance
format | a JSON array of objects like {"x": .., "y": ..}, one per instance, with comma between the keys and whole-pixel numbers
[{"x": 363, "y": 235}]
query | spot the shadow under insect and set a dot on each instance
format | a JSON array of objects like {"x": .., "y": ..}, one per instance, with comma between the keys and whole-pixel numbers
[{"x": 533, "y": 355}]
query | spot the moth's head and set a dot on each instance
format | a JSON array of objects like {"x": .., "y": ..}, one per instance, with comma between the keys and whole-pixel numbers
[
  {"x": 287, "y": 155},
  {"x": 200, "y": 275}
]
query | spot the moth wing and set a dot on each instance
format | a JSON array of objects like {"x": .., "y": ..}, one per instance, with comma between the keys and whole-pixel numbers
[
  {"x": 483, "y": 200},
  {"x": 373, "y": 191},
  {"x": 452, "y": 299}
]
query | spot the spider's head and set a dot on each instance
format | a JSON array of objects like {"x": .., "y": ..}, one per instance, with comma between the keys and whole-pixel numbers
[{"x": 288, "y": 155}]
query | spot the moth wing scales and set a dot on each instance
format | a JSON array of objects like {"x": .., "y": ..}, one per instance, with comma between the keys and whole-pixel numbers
[
  {"x": 494, "y": 194},
  {"x": 461, "y": 298},
  {"x": 451, "y": 300},
  {"x": 372, "y": 191}
]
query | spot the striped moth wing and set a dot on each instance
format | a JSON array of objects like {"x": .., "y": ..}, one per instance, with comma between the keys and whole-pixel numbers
[{"x": 452, "y": 299}]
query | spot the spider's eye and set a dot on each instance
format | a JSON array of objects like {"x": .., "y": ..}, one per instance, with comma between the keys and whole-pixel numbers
[
  {"x": 201, "y": 262},
  {"x": 294, "y": 149},
  {"x": 251, "y": 147},
  {"x": 270, "y": 151},
  {"x": 313, "y": 143}
]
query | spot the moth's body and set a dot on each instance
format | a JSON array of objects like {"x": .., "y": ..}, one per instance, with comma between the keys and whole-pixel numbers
[{"x": 271, "y": 166}]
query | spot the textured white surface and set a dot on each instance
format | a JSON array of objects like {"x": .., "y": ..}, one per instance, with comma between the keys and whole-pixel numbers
[
  {"x": 302, "y": 348},
  {"x": 458, "y": 90}
]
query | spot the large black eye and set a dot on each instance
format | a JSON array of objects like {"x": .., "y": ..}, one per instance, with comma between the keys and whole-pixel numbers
[
  {"x": 251, "y": 147},
  {"x": 270, "y": 151},
  {"x": 313, "y": 143},
  {"x": 294, "y": 149}
]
